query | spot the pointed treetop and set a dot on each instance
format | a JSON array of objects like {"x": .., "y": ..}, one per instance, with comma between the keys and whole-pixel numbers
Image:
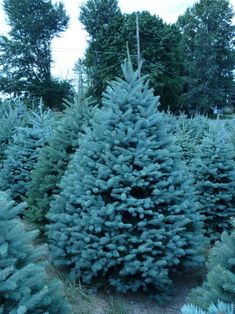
[{"x": 127, "y": 68}]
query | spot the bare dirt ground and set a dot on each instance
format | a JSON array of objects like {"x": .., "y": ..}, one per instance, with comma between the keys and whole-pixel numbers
[
  {"x": 183, "y": 286},
  {"x": 104, "y": 303}
]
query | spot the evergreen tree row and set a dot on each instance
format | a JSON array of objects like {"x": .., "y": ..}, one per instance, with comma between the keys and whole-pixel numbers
[{"x": 126, "y": 193}]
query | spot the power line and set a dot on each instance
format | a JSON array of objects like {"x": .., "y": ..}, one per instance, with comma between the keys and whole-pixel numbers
[
  {"x": 65, "y": 50},
  {"x": 192, "y": 81},
  {"x": 187, "y": 80},
  {"x": 176, "y": 43}
]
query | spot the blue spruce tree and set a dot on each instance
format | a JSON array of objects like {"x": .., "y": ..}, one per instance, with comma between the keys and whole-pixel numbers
[
  {"x": 22, "y": 154},
  {"x": 220, "y": 281},
  {"x": 24, "y": 286},
  {"x": 185, "y": 137},
  {"x": 189, "y": 133},
  {"x": 53, "y": 160},
  {"x": 126, "y": 215},
  {"x": 12, "y": 116},
  {"x": 214, "y": 172},
  {"x": 232, "y": 133}
]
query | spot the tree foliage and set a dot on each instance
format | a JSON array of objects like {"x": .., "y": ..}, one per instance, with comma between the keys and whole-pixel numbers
[
  {"x": 220, "y": 281},
  {"x": 54, "y": 158},
  {"x": 220, "y": 308},
  {"x": 22, "y": 154},
  {"x": 12, "y": 116},
  {"x": 189, "y": 133},
  {"x": 208, "y": 43},
  {"x": 109, "y": 31},
  {"x": 126, "y": 215},
  {"x": 26, "y": 51},
  {"x": 214, "y": 172},
  {"x": 24, "y": 285}
]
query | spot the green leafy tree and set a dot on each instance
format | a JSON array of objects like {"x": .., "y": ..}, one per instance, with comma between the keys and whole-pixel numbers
[
  {"x": 53, "y": 93},
  {"x": 208, "y": 43},
  {"x": 126, "y": 216},
  {"x": 22, "y": 154},
  {"x": 54, "y": 158},
  {"x": 220, "y": 281},
  {"x": 162, "y": 55},
  {"x": 214, "y": 173},
  {"x": 109, "y": 30},
  {"x": 101, "y": 19},
  {"x": 26, "y": 52},
  {"x": 24, "y": 285}
]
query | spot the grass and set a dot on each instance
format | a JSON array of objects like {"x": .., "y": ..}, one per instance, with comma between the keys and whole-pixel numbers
[
  {"x": 82, "y": 301},
  {"x": 75, "y": 293},
  {"x": 116, "y": 307}
]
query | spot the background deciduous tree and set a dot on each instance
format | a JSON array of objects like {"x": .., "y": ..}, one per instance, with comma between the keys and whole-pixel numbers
[
  {"x": 26, "y": 51},
  {"x": 208, "y": 43},
  {"x": 109, "y": 30}
]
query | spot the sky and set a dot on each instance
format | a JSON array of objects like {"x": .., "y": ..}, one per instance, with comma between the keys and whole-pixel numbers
[{"x": 67, "y": 49}]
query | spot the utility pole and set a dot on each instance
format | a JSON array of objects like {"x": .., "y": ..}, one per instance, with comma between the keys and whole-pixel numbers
[
  {"x": 80, "y": 84},
  {"x": 79, "y": 71},
  {"x": 138, "y": 42}
]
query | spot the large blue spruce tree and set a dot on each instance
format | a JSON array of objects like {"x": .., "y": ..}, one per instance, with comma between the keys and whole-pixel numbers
[
  {"x": 24, "y": 286},
  {"x": 126, "y": 215}
]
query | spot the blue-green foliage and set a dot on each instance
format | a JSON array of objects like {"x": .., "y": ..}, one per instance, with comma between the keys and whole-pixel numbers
[
  {"x": 126, "y": 215},
  {"x": 24, "y": 286},
  {"x": 12, "y": 115},
  {"x": 220, "y": 281},
  {"x": 22, "y": 154},
  {"x": 53, "y": 159},
  {"x": 214, "y": 172},
  {"x": 231, "y": 128},
  {"x": 220, "y": 308},
  {"x": 170, "y": 121},
  {"x": 189, "y": 133}
]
